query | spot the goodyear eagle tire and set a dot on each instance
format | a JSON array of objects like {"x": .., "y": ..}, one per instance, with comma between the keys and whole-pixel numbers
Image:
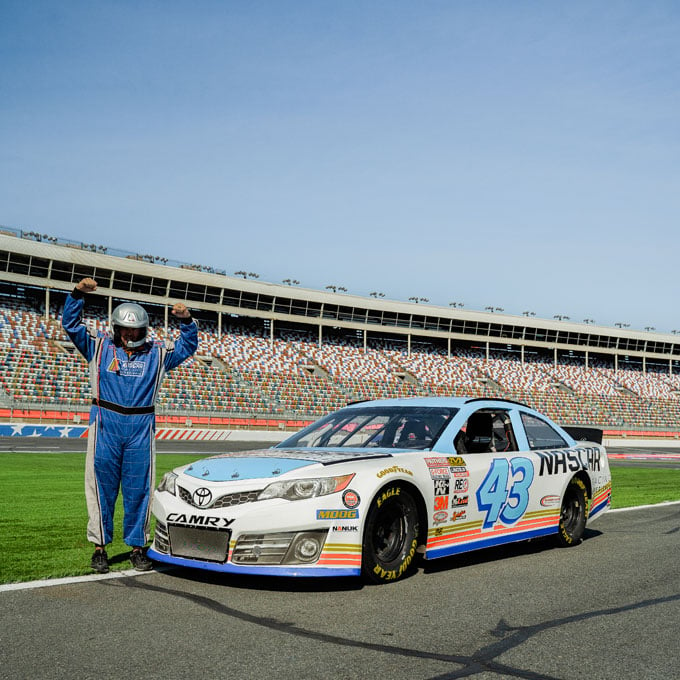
[
  {"x": 573, "y": 514},
  {"x": 390, "y": 535}
]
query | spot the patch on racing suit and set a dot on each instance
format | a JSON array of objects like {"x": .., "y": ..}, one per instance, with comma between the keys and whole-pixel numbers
[{"x": 131, "y": 369}]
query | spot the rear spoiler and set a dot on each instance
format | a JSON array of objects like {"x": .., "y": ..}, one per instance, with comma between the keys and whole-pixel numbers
[{"x": 584, "y": 434}]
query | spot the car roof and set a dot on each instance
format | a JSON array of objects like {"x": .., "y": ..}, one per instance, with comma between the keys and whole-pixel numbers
[{"x": 448, "y": 402}]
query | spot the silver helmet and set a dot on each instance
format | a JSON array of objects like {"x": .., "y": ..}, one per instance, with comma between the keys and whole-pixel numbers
[{"x": 130, "y": 315}]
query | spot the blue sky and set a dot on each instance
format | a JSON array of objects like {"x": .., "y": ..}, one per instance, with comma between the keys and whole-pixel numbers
[{"x": 523, "y": 155}]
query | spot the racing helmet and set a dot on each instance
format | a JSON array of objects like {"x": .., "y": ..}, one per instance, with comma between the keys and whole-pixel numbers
[{"x": 130, "y": 315}]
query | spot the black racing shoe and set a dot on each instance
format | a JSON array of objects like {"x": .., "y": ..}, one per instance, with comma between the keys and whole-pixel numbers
[
  {"x": 100, "y": 561},
  {"x": 140, "y": 561}
]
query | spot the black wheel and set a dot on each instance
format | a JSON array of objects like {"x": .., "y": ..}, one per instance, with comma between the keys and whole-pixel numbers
[
  {"x": 390, "y": 535},
  {"x": 573, "y": 514}
]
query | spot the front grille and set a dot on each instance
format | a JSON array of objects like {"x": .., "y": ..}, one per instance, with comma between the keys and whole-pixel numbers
[
  {"x": 227, "y": 501},
  {"x": 199, "y": 543}
]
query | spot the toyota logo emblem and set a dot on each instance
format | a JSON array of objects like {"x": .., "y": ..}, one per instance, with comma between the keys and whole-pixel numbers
[{"x": 202, "y": 497}]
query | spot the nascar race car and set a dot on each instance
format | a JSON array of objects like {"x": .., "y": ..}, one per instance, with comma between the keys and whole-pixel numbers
[{"x": 374, "y": 487}]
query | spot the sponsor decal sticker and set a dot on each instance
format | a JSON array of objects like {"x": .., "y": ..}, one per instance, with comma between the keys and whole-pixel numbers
[
  {"x": 460, "y": 484},
  {"x": 549, "y": 501},
  {"x": 440, "y": 517},
  {"x": 456, "y": 461},
  {"x": 570, "y": 460},
  {"x": 394, "y": 468},
  {"x": 441, "y": 502},
  {"x": 337, "y": 514},
  {"x": 458, "y": 515},
  {"x": 351, "y": 499},
  {"x": 436, "y": 462},
  {"x": 440, "y": 473},
  {"x": 441, "y": 487},
  {"x": 345, "y": 528},
  {"x": 457, "y": 501}
]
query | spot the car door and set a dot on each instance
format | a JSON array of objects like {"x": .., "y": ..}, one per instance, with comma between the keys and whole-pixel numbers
[{"x": 496, "y": 493}]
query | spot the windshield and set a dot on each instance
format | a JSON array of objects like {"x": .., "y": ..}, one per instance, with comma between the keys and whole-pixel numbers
[{"x": 394, "y": 427}]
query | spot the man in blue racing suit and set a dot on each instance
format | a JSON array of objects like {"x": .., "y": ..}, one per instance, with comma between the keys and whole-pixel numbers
[{"x": 126, "y": 371}]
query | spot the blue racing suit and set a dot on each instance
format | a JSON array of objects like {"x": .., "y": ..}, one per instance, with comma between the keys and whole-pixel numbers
[{"x": 121, "y": 438}]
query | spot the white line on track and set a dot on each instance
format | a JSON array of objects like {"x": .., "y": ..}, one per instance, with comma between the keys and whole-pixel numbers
[
  {"x": 72, "y": 579},
  {"x": 27, "y": 585}
]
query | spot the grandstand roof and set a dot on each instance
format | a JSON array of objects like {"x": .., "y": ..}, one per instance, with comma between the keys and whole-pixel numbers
[{"x": 43, "y": 262}]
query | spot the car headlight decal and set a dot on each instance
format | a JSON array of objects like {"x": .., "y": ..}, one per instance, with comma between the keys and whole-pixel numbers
[
  {"x": 301, "y": 489},
  {"x": 168, "y": 483}
]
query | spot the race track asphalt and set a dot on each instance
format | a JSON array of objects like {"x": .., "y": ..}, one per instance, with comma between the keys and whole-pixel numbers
[{"x": 608, "y": 608}]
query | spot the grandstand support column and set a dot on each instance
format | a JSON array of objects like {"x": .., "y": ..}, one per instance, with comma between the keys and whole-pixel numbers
[
  {"x": 555, "y": 356},
  {"x": 110, "y": 308},
  {"x": 586, "y": 360},
  {"x": 365, "y": 340},
  {"x": 521, "y": 352},
  {"x": 616, "y": 363},
  {"x": 47, "y": 303},
  {"x": 219, "y": 325},
  {"x": 448, "y": 348},
  {"x": 271, "y": 333},
  {"x": 408, "y": 345},
  {"x": 165, "y": 319},
  {"x": 320, "y": 335},
  {"x": 487, "y": 350},
  {"x": 644, "y": 364}
]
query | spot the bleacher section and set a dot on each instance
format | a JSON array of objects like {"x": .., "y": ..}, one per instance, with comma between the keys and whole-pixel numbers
[{"x": 247, "y": 373}]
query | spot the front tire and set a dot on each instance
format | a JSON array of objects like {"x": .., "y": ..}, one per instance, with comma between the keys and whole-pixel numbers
[
  {"x": 390, "y": 535},
  {"x": 573, "y": 514}
]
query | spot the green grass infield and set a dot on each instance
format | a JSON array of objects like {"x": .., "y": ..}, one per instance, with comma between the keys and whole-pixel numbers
[{"x": 43, "y": 517}]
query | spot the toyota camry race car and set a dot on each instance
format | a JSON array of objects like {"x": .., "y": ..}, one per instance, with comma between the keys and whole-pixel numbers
[{"x": 372, "y": 487}]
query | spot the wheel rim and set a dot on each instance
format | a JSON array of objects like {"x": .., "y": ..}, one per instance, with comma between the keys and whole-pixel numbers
[
  {"x": 571, "y": 512},
  {"x": 389, "y": 534}
]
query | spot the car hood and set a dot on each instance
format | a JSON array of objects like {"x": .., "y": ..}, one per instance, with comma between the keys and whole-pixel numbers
[{"x": 271, "y": 463}]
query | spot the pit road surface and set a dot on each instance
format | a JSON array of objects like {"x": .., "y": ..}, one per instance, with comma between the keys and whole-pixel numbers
[{"x": 608, "y": 608}]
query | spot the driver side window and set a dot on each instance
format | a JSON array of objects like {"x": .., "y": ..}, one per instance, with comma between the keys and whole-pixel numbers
[{"x": 486, "y": 430}]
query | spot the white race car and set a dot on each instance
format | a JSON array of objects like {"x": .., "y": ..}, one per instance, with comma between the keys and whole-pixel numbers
[{"x": 373, "y": 487}]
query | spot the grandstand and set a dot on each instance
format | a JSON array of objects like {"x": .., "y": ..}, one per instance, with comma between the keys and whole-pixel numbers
[{"x": 280, "y": 355}]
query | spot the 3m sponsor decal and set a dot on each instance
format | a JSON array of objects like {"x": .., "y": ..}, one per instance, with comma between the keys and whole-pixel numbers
[
  {"x": 441, "y": 487},
  {"x": 458, "y": 501},
  {"x": 351, "y": 499},
  {"x": 393, "y": 469},
  {"x": 571, "y": 460},
  {"x": 436, "y": 462},
  {"x": 441, "y": 502},
  {"x": 455, "y": 460},
  {"x": 337, "y": 514},
  {"x": 440, "y": 517},
  {"x": 345, "y": 529},
  {"x": 199, "y": 520},
  {"x": 549, "y": 501},
  {"x": 460, "y": 485},
  {"x": 440, "y": 473}
]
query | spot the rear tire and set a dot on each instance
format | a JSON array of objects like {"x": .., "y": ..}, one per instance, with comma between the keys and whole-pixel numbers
[
  {"x": 390, "y": 536},
  {"x": 573, "y": 514}
]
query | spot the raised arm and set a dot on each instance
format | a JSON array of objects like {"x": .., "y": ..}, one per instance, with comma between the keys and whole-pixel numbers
[{"x": 71, "y": 319}]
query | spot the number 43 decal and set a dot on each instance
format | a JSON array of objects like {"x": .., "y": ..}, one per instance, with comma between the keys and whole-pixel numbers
[{"x": 496, "y": 499}]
